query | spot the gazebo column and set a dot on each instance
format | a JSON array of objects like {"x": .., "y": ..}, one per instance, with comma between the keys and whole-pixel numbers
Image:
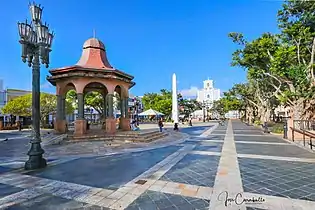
[
  {"x": 124, "y": 120},
  {"x": 80, "y": 123},
  {"x": 110, "y": 120},
  {"x": 60, "y": 122},
  {"x": 104, "y": 112}
]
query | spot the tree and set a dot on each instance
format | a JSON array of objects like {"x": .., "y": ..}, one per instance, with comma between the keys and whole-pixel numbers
[
  {"x": 227, "y": 103},
  {"x": 71, "y": 97},
  {"x": 188, "y": 106},
  {"x": 256, "y": 57},
  {"x": 93, "y": 99},
  {"x": 19, "y": 106},
  {"x": 281, "y": 66},
  {"x": 22, "y": 106},
  {"x": 161, "y": 102}
]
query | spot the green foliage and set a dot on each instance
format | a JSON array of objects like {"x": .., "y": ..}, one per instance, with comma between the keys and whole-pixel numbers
[
  {"x": 162, "y": 102},
  {"x": 92, "y": 99},
  {"x": 19, "y": 106},
  {"x": 226, "y": 104},
  {"x": 258, "y": 122},
  {"x": 22, "y": 106},
  {"x": 71, "y": 97},
  {"x": 188, "y": 106},
  {"x": 277, "y": 128},
  {"x": 279, "y": 67},
  {"x": 95, "y": 100}
]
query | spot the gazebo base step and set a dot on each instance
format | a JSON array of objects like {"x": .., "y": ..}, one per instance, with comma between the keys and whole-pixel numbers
[{"x": 123, "y": 136}]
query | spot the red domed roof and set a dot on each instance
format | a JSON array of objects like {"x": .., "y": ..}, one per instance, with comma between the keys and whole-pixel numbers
[
  {"x": 93, "y": 43},
  {"x": 94, "y": 55}
]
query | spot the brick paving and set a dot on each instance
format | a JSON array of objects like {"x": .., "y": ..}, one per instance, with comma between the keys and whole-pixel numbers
[{"x": 213, "y": 162}]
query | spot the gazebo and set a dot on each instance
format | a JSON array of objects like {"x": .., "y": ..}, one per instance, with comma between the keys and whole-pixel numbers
[{"x": 92, "y": 73}]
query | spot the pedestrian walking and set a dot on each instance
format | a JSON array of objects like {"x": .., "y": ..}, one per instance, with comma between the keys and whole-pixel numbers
[{"x": 160, "y": 124}]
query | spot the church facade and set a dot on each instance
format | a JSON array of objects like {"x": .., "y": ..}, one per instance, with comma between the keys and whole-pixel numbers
[{"x": 208, "y": 94}]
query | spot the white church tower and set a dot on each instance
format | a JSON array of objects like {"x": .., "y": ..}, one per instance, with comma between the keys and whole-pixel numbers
[{"x": 208, "y": 94}]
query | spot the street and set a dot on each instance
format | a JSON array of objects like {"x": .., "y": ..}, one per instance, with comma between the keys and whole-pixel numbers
[{"x": 210, "y": 166}]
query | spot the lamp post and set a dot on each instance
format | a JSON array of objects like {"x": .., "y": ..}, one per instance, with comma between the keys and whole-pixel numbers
[{"x": 36, "y": 41}]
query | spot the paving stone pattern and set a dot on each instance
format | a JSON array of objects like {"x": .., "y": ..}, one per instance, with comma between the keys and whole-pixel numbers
[
  {"x": 194, "y": 170},
  {"x": 278, "y": 178},
  {"x": 195, "y": 130},
  {"x": 211, "y": 147},
  {"x": 106, "y": 172},
  {"x": 273, "y": 150},
  {"x": 14, "y": 147},
  {"x": 49, "y": 202},
  {"x": 248, "y": 132},
  {"x": 265, "y": 139},
  {"x": 164, "y": 201},
  {"x": 7, "y": 190},
  {"x": 181, "y": 176}
]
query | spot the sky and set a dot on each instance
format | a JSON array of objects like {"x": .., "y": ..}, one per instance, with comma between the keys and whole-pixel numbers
[{"x": 150, "y": 40}]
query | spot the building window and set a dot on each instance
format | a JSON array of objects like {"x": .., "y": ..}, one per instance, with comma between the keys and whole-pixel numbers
[
  {"x": 208, "y": 84},
  {"x": 208, "y": 96}
]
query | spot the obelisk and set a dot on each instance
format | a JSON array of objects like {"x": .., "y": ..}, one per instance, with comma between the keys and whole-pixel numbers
[{"x": 174, "y": 103}]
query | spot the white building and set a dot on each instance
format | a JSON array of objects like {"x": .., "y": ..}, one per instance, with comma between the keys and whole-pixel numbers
[
  {"x": 208, "y": 94},
  {"x": 233, "y": 114}
]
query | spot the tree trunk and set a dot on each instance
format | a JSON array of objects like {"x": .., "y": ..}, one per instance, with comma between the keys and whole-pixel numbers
[
  {"x": 309, "y": 107},
  {"x": 265, "y": 113},
  {"x": 250, "y": 115},
  {"x": 297, "y": 110}
]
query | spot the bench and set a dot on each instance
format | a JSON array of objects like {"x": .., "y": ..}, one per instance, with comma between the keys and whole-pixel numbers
[{"x": 305, "y": 133}]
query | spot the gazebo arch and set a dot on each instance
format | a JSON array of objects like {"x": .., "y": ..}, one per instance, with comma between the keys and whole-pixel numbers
[{"x": 92, "y": 72}]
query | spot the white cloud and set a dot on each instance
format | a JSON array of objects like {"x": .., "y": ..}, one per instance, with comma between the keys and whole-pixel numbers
[{"x": 191, "y": 92}]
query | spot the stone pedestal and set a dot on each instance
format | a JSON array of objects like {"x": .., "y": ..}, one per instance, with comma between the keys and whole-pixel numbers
[
  {"x": 80, "y": 127},
  {"x": 125, "y": 124},
  {"x": 60, "y": 126},
  {"x": 111, "y": 125}
]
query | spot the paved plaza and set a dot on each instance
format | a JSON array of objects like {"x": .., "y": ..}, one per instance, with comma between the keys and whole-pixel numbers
[{"x": 234, "y": 166}]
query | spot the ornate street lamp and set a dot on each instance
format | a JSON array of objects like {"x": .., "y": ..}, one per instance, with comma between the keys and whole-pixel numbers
[{"x": 36, "y": 41}]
